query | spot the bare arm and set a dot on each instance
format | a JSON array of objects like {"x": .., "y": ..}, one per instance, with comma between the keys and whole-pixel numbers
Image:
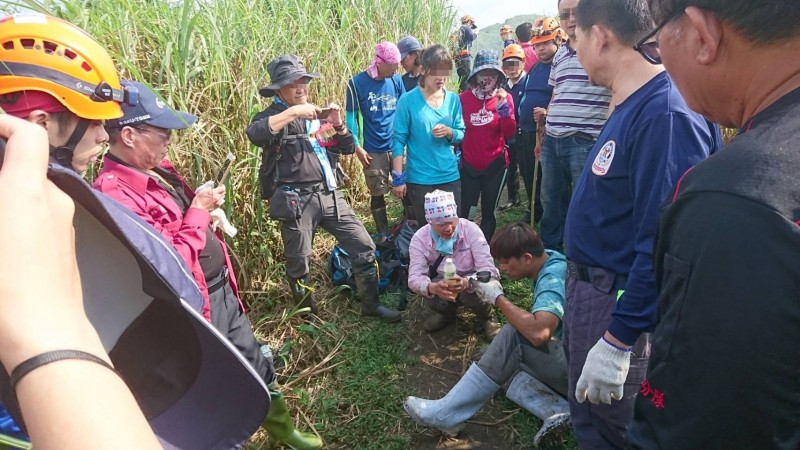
[{"x": 537, "y": 327}]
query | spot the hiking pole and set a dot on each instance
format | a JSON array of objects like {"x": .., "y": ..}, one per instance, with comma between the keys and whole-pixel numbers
[{"x": 533, "y": 191}]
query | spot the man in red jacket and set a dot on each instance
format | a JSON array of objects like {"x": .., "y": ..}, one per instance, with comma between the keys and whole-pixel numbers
[{"x": 137, "y": 174}]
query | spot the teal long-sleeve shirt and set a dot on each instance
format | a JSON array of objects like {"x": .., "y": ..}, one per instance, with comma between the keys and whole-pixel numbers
[{"x": 429, "y": 160}]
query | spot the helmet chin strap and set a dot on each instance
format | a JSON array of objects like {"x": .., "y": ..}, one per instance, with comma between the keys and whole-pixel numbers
[{"x": 63, "y": 154}]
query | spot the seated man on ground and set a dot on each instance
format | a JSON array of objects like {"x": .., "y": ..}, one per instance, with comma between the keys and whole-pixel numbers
[
  {"x": 447, "y": 236},
  {"x": 527, "y": 349}
]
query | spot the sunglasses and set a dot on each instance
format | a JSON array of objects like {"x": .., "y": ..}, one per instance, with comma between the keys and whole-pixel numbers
[
  {"x": 648, "y": 45},
  {"x": 567, "y": 14}
]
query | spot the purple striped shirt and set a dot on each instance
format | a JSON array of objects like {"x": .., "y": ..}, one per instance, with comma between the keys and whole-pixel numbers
[{"x": 577, "y": 106}]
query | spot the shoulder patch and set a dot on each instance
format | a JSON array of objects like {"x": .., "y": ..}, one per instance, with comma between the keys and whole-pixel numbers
[{"x": 604, "y": 158}]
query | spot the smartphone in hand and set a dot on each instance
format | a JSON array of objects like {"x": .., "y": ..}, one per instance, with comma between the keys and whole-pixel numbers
[
  {"x": 324, "y": 113},
  {"x": 224, "y": 171}
]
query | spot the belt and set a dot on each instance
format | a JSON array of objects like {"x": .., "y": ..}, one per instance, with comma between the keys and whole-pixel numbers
[
  {"x": 218, "y": 281},
  {"x": 310, "y": 188},
  {"x": 604, "y": 280}
]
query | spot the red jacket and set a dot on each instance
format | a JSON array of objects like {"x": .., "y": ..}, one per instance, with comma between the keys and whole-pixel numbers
[
  {"x": 144, "y": 196},
  {"x": 486, "y": 133}
]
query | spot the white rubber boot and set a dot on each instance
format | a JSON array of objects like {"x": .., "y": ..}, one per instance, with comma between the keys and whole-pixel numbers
[
  {"x": 544, "y": 403},
  {"x": 462, "y": 402}
]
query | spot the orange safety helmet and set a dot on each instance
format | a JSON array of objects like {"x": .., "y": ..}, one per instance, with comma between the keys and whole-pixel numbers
[
  {"x": 505, "y": 29},
  {"x": 47, "y": 54},
  {"x": 514, "y": 51},
  {"x": 545, "y": 30}
]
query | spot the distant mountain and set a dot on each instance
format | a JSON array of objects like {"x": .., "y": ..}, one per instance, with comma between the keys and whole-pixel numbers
[{"x": 489, "y": 36}]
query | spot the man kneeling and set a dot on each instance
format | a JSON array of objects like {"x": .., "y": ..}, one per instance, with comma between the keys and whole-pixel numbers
[{"x": 527, "y": 349}]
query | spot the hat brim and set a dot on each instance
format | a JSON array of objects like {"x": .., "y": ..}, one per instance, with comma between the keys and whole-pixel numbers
[
  {"x": 272, "y": 89},
  {"x": 173, "y": 120},
  {"x": 195, "y": 388},
  {"x": 477, "y": 69}
]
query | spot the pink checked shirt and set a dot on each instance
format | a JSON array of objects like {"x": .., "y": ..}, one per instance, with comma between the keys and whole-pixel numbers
[{"x": 470, "y": 254}]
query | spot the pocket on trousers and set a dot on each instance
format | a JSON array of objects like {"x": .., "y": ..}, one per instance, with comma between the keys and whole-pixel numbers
[
  {"x": 674, "y": 284},
  {"x": 285, "y": 205}
]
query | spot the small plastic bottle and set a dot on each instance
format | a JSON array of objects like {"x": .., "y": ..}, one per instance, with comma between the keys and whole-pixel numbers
[{"x": 449, "y": 269}]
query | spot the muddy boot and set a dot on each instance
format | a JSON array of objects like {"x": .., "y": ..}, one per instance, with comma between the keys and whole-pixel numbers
[
  {"x": 381, "y": 223},
  {"x": 487, "y": 322},
  {"x": 280, "y": 427},
  {"x": 449, "y": 413},
  {"x": 437, "y": 321},
  {"x": 442, "y": 314},
  {"x": 544, "y": 403},
  {"x": 367, "y": 287},
  {"x": 301, "y": 294}
]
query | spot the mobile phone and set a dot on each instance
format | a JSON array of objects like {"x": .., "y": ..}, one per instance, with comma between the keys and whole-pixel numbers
[
  {"x": 222, "y": 175},
  {"x": 324, "y": 113}
]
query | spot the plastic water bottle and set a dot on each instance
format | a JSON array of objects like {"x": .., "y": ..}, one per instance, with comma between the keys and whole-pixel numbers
[{"x": 449, "y": 268}]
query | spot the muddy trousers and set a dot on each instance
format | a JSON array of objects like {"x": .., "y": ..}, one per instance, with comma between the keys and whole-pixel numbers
[
  {"x": 586, "y": 318},
  {"x": 510, "y": 352}
]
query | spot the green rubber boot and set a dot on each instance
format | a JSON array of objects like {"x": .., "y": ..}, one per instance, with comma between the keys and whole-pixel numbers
[{"x": 280, "y": 427}]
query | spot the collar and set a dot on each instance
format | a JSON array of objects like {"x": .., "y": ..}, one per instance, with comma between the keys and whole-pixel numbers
[{"x": 137, "y": 179}]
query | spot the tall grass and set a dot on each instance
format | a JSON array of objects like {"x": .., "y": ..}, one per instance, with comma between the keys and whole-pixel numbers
[{"x": 210, "y": 57}]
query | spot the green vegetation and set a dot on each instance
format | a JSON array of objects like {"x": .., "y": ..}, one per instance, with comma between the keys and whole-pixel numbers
[
  {"x": 344, "y": 376},
  {"x": 489, "y": 36}
]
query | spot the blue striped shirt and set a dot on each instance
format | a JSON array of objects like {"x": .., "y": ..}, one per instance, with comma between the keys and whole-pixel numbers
[{"x": 577, "y": 105}]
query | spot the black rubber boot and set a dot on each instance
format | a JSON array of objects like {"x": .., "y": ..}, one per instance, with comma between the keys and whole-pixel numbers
[
  {"x": 301, "y": 294},
  {"x": 367, "y": 284},
  {"x": 381, "y": 223}
]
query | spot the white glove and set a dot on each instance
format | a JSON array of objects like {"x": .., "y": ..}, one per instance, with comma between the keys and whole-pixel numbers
[
  {"x": 487, "y": 292},
  {"x": 603, "y": 374},
  {"x": 220, "y": 220}
]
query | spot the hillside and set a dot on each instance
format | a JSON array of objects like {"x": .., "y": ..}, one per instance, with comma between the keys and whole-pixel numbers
[{"x": 489, "y": 36}]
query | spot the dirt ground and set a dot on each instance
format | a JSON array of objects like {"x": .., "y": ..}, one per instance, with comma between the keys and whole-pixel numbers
[{"x": 443, "y": 357}]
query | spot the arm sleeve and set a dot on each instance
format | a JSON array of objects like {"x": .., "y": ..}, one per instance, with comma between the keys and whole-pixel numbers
[
  {"x": 401, "y": 127},
  {"x": 190, "y": 237},
  {"x": 458, "y": 121},
  {"x": 352, "y": 124},
  {"x": 418, "y": 266},
  {"x": 258, "y": 131},
  {"x": 508, "y": 125},
  {"x": 668, "y": 145},
  {"x": 549, "y": 296},
  {"x": 352, "y": 109}
]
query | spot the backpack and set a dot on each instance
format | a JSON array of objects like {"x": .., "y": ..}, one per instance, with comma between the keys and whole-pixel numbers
[{"x": 392, "y": 257}]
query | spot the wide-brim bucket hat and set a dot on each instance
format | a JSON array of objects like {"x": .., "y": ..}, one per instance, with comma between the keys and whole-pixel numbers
[
  {"x": 284, "y": 70},
  {"x": 486, "y": 59}
]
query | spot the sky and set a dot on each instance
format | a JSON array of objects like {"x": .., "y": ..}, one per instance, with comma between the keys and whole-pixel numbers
[{"x": 487, "y": 12}]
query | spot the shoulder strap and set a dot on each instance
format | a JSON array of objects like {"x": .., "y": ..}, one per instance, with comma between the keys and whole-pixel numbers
[{"x": 434, "y": 269}]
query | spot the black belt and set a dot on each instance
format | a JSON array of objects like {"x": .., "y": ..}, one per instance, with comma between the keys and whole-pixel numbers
[
  {"x": 218, "y": 281},
  {"x": 604, "y": 280},
  {"x": 310, "y": 188}
]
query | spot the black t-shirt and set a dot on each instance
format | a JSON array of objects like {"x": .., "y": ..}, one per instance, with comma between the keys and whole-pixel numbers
[{"x": 725, "y": 365}]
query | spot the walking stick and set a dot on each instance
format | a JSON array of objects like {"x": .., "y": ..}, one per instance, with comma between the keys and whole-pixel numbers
[{"x": 533, "y": 191}]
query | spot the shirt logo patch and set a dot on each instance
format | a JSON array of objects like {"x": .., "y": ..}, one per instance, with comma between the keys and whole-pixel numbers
[
  {"x": 604, "y": 158},
  {"x": 481, "y": 118}
]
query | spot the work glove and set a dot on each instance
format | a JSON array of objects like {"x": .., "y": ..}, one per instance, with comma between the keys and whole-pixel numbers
[
  {"x": 220, "y": 220},
  {"x": 487, "y": 292},
  {"x": 603, "y": 374}
]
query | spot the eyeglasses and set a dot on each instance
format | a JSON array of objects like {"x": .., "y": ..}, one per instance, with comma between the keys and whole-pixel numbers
[
  {"x": 567, "y": 14},
  {"x": 648, "y": 45},
  {"x": 164, "y": 136}
]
